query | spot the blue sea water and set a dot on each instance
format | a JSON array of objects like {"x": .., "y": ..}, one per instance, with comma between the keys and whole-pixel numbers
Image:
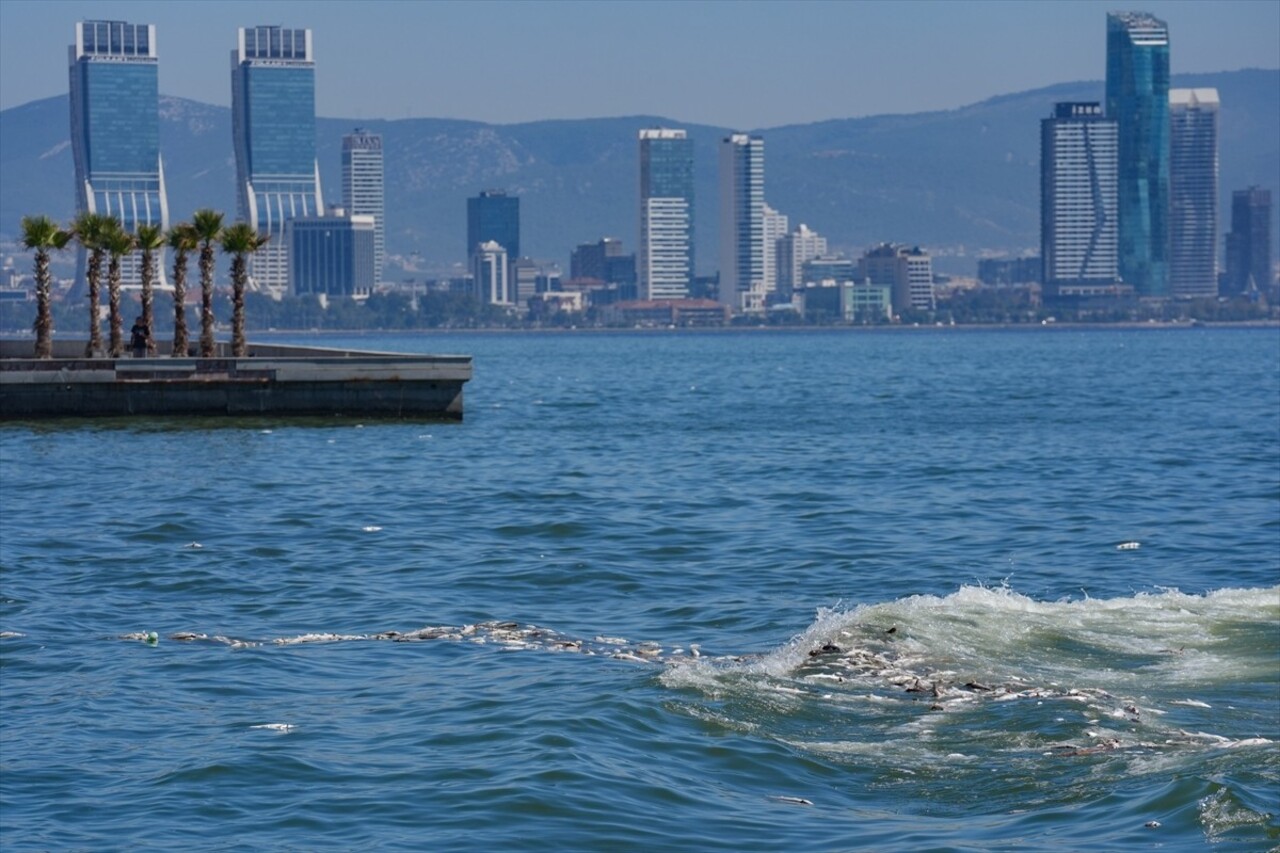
[{"x": 802, "y": 591}]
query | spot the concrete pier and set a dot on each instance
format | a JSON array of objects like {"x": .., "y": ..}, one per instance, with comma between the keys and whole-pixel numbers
[{"x": 274, "y": 380}]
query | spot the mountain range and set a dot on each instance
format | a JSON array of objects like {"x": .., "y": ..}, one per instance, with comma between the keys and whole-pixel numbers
[{"x": 961, "y": 182}]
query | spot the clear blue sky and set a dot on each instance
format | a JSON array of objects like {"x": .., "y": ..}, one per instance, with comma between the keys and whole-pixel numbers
[{"x": 738, "y": 64}]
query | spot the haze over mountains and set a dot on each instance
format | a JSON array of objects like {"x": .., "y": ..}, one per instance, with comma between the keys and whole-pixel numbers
[{"x": 960, "y": 182}]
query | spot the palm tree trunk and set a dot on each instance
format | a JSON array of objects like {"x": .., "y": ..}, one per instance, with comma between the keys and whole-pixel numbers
[
  {"x": 207, "y": 344},
  {"x": 179, "y": 308},
  {"x": 94, "y": 275},
  {"x": 44, "y": 317},
  {"x": 238, "y": 275},
  {"x": 113, "y": 308},
  {"x": 147, "y": 260}
]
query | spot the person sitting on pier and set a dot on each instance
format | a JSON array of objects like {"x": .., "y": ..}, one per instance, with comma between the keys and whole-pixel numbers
[{"x": 140, "y": 339}]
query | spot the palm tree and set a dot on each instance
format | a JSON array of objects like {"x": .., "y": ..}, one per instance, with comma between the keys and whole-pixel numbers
[
  {"x": 240, "y": 241},
  {"x": 89, "y": 229},
  {"x": 42, "y": 234},
  {"x": 118, "y": 243},
  {"x": 148, "y": 239},
  {"x": 208, "y": 227},
  {"x": 183, "y": 241}
]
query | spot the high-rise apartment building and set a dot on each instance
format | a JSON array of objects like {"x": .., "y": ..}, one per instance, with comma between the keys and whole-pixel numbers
[
  {"x": 1249, "y": 243},
  {"x": 494, "y": 216},
  {"x": 115, "y": 129},
  {"x": 775, "y": 228},
  {"x": 1138, "y": 101},
  {"x": 1193, "y": 193},
  {"x": 1078, "y": 226},
  {"x": 273, "y": 125},
  {"x": 362, "y": 188},
  {"x": 491, "y": 273},
  {"x": 666, "y": 214},
  {"x": 742, "y": 246},
  {"x": 794, "y": 250}
]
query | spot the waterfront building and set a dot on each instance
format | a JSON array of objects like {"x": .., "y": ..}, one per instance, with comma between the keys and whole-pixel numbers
[
  {"x": 907, "y": 272},
  {"x": 742, "y": 245},
  {"x": 524, "y": 281},
  {"x": 490, "y": 272},
  {"x": 1193, "y": 193},
  {"x": 273, "y": 118},
  {"x": 844, "y": 301},
  {"x": 494, "y": 216},
  {"x": 836, "y": 268},
  {"x": 1249, "y": 243},
  {"x": 115, "y": 131},
  {"x": 999, "y": 272},
  {"x": 775, "y": 228},
  {"x": 1078, "y": 199},
  {"x": 589, "y": 259},
  {"x": 332, "y": 255},
  {"x": 794, "y": 250},
  {"x": 665, "y": 262},
  {"x": 1138, "y": 101},
  {"x": 362, "y": 188}
]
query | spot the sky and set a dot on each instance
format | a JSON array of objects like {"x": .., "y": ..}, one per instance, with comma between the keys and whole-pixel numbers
[{"x": 731, "y": 63}]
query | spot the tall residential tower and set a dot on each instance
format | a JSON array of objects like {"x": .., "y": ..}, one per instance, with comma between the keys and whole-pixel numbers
[
  {"x": 666, "y": 214},
  {"x": 742, "y": 231},
  {"x": 115, "y": 129},
  {"x": 1138, "y": 101},
  {"x": 1193, "y": 193},
  {"x": 1249, "y": 243},
  {"x": 273, "y": 116},
  {"x": 362, "y": 188},
  {"x": 1078, "y": 200}
]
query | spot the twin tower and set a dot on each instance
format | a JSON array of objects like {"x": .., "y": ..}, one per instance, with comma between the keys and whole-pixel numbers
[{"x": 115, "y": 135}]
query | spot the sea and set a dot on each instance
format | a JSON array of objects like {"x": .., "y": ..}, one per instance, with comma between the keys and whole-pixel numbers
[{"x": 670, "y": 590}]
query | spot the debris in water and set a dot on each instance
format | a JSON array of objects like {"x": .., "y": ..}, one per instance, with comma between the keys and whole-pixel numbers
[
  {"x": 1128, "y": 546},
  {"x": 794, "y": 801}
]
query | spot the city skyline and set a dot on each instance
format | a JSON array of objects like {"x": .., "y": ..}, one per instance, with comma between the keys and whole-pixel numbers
[{"x": 708, "y": 87}]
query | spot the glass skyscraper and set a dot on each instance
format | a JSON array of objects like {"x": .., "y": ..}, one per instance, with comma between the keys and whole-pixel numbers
[
  {"x": 1078, "y": 229},
  {"x": 1249, "y": 243},
  {"x": 666, "y": 214},
  {"x": 362, "y": 184},
  {"x": 273, "y": 114},
  {"x": 494, "y": 216},
  {"x": 742, "y": 262},
  {"x": 115, "y": 129},
  {"x": 1193, "y": 192},
  {"x": 1138, "y": 101}
]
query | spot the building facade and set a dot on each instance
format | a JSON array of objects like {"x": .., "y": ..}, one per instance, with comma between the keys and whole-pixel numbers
[
  {"x": 494, "y": 216},
  {"x": 1193, "y": 193},
  {"x": 115, "y": 130},
  {"x": 794, "y": 249},
  {"x": 332, "y": 255},
  {"x": 775, "y": 228},
  {"x": 1249, "y": 243},
  {"x": 1078, "y": 198},
  {"x": 665, "y": 258},
  {"x": 742, "y": 231},
  {"x": 1138, "y": 101},
  {"x": 907, "y": 272},
  {"x": 273, "y": 117},
  {"x": 491, "y": 273},
  {"x": 362, "y": 189}
]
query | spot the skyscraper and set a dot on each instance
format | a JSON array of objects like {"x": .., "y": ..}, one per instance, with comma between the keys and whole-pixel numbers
[
  {"x": 1193, "y": 192},
  {"x": 793, "y": 250},
  {"x": 742, "y": 252},
  {"x": 1138, "y": 101},
  {"x": 273, "y": 125},
  {"x": 494, "y": 216},
  {"x": 1249, "y": 242},
  {"x": 332, "y": 255},
  {"x": 115, "y": 129},
  {"x": 491, "y": 272},
  {"x": 362, "y": 188},
  {"x": 775, "y": 228},
  {"x": 1078, "y": 199},
  {"x": 666, "y": 214}
]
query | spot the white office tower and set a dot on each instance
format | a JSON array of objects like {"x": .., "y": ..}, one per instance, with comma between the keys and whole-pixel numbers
[
  {"x": 1193, "y": 192},
  {"x": 775, "y": 228},
  {"x": 665, "y": 258},
  {"x": 1079, "y": 225},
  {"x": 362, "y": 189},
  {"x": 794, "y": 250},
  {"x": 742, "y": 246},
  {"x": 489, "y": 267}
]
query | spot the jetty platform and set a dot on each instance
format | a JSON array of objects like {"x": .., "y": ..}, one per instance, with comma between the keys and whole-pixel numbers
[{"x": 273, "y": 380}]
